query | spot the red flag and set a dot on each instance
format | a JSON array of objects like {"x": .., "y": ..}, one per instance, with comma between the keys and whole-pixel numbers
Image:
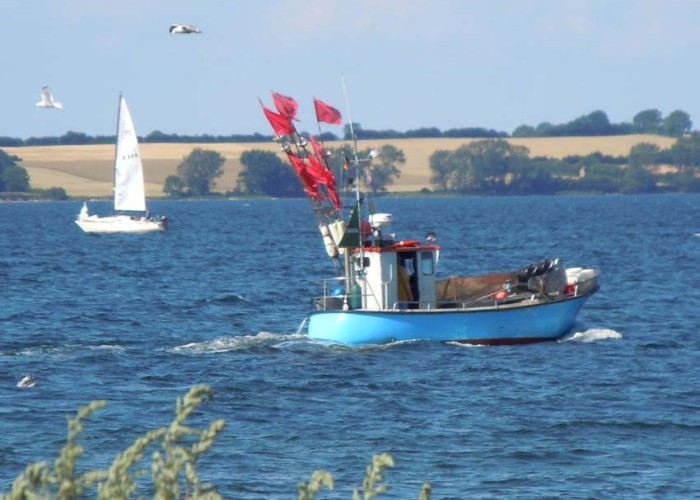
[
  {"x": 285, "y": 105},
  {"x": 307, "y": 180},
  {"x": 316, "y": 169},
  {"x": 324, "y": 176},
  {"x": 280, "y": 124},
  {"x": 326, "y": 113},
  {"x": 318, "y": 148},
  {"x": 319, "y": 168}
]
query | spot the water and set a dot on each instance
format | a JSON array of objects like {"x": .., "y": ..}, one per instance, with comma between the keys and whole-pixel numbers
[{"x": 613, "y": 410}]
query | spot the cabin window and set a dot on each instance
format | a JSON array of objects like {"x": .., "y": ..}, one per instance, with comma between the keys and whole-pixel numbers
[{"x": 426, "y": 263}]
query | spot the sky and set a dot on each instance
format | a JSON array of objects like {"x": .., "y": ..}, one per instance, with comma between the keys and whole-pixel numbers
[{"x": 385, "y": 64}]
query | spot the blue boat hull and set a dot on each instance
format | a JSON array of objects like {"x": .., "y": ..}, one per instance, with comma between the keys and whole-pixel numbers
[{"x": 490, "y": 326}]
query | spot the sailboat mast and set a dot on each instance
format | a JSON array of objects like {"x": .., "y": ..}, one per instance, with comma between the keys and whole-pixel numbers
[{"x": 116, "y": 152}]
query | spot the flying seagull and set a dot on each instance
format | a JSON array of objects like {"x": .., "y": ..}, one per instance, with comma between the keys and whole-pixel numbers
[
  {"x": 47, "y": 99},
  {"x": 183, "y": 28}
]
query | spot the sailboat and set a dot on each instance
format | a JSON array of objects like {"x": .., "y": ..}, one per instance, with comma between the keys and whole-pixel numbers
[
  {"x": 129, "y": 193},
  {"x": 387, "y": 289}
]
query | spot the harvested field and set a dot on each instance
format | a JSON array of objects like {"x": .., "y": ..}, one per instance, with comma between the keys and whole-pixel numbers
[{"x": 87, "y": 170}]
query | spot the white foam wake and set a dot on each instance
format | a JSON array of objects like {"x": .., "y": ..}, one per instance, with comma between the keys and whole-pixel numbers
[
  {"x": 236, "y": 343},
  {"x": 593, "y": 335}
]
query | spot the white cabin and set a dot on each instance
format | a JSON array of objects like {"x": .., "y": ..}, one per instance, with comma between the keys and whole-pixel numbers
[{"x": 396, "y": 275}]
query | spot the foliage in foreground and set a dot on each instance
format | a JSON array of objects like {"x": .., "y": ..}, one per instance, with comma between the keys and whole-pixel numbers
[{"x": 173, "y": 467}]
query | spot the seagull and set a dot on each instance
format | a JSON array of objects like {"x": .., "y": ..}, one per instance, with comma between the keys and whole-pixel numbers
[
  {"x": 47, "y": 99},
  {"x": 26, "y": 382},
  {"x": 183, "y": 28}
]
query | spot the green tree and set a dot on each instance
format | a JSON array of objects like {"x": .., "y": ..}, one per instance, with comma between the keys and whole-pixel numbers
[
  {"x": 53, "y": 193},
  {"x": 637, "y": 180},
  {"x": 524, "y": 131},
  {"x": 531, "y": 177},
  {"x": 199, "y": 169},
  {"x": 264, "y": 173},
  {"x": 686, "y": 153},
  {"x": 13, "y": 178},
  {"x": 637, "y": 177},
  {"x": 489, "y": 163},
  {"x": 643, "y": 155},
  {"x": 648, "y": 121},
  {"x": 383, "y": 169},
  {"x": 441, "y": 168},
  {"x": 174, "y": 186},
  {"x": 677, "y": 123},
  {"x": 595, "y": 123}
]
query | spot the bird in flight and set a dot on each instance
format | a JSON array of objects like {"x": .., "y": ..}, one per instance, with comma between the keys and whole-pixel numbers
[
  {"x": 183, "y": 28},
  {"x": 47, "y": 100}
]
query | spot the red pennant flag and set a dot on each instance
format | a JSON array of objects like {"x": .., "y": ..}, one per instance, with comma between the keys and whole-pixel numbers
[
  {"x": 318, "y": 149},
  {"x": 316, "y": 170},
  {"x": 285, "y": 105},
  {"x": 280, "y": 124},
  {"x": 307, "y": 180},
  {"x": 319, "y": 168},
  {"x": 325, "y": 176},
  {"x": 326, "y": 113}
]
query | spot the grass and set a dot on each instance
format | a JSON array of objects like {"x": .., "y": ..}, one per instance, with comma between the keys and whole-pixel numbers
[
  {"x": 87, "y": 170},
  {"x": 174, "y": 452}
]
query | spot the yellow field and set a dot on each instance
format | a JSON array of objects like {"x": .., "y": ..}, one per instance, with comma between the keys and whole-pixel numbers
[{"x": 87, "y": 170}]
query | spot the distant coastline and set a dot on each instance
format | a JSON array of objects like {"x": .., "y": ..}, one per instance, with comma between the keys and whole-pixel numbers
[{"x": 86, "y": 171}]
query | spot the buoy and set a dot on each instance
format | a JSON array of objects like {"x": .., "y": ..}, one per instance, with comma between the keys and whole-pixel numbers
[
  {"x": 407, "y": 243},
  {"x": 356, "y": 296},
  {"x": 331, "y": 249}
]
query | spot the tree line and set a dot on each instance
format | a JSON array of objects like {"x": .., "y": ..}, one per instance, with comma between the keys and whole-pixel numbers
[
  {"x": 486, "y": 166},
  {"x": 495, "y": 166},
  {"x": 649, "y": 121}
]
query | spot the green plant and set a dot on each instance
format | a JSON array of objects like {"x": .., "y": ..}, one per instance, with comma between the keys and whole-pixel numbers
[
  {"x": 173, "y": 468},
  {"x": 180, "y": 448}
]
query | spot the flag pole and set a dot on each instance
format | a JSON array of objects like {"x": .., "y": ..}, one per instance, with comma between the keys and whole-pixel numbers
[
  {"x": 324, "y": 160},
  {"x": 350, "y": 275}
]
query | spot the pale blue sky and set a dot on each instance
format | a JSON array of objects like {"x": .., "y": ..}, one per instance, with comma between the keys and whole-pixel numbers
[{"x": 406, "y": 63}]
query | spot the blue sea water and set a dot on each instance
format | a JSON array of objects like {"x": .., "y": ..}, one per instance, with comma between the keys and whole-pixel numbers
[{"x": 611, "y": 411}]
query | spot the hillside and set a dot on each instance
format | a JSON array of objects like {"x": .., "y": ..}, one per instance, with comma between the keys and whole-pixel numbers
[{"x": 87, "y": 170}]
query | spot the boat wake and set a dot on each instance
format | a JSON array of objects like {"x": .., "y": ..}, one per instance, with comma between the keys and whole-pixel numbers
[
  {"x": 239, "y": 343},
  {"x": 62, "y": 350},
  {"x": 593, "y": 335},
  {"x": 231, "y": 298}
]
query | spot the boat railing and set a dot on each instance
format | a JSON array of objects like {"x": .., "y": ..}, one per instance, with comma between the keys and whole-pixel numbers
[
  {"x": 331, "y": 300},
  {"x": 335, "y": 296}
]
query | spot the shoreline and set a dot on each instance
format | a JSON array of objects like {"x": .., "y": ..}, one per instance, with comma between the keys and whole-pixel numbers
[{"x": 87, "y": 171}]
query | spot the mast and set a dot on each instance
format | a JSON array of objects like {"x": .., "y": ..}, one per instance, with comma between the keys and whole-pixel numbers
[
  {"x": 116, "y": 152},
  {"x": 349, "y": 270},
  {"x": 311, "y": 169}
]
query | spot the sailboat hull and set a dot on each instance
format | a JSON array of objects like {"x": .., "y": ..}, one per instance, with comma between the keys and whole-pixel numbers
[
  {"x": 119, "y": 224},
  {"x": 485, "y": 326},
  {"x": 129, "y": 193}
]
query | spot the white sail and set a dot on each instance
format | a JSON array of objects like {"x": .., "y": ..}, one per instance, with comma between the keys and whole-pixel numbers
[{"x": 128, "y": 170}]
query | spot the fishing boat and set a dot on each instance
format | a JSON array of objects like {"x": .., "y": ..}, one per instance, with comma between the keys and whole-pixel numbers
[
  {"x": 386, "y": 289},
  {"x": 129, "y": 193}
]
